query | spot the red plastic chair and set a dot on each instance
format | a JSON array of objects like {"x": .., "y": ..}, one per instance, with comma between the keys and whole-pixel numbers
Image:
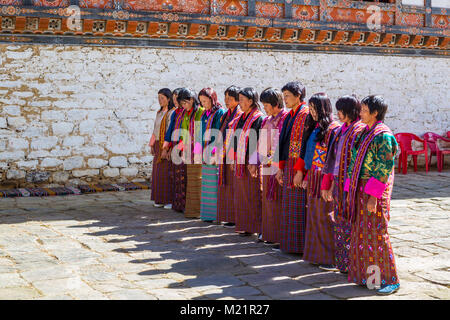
[
  {"x": 432, "y": 139},
  {"x": 405, "y": 139}
]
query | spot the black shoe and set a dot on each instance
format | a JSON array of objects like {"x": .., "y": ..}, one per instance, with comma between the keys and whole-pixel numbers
[
  {"x": 276, "y": 248},
  {"x": 328, "y": 267},
  {"x": 209, "y": 221},
  {"x": 259, "y": 238},
  {"x": 244, "y": 234},
  {"x": 229, "y": 225}
]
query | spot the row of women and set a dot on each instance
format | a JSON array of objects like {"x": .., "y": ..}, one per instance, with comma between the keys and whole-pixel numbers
[{"x": 309, "y": 185}]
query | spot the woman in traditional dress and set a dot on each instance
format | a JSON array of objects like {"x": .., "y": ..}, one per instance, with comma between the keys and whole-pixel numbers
[
  {"x": 177, "y": 171},
  {"x": 338, "y": 159},
  {"x": 272, "y": 100},
  {"x": 319, "y": 237},
  {"x": 191, "y": 134},
  {"x": 210, "y": 121},
  {"x": 293, "y": 135},
  {"x": 247, "y": 195},
  {"x": 225, "y": 192},
  {"x": 161, "y": 187},
  {"x": 369, "y": 185}
]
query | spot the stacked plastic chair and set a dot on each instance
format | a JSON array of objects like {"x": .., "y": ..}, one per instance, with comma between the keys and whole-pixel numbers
[
  {"x": 434, "y": 140},
  {"x": 405, "y": 142}
]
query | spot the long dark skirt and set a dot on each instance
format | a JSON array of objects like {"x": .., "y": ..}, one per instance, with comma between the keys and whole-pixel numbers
[
  {"x": 193, "y": 190},
  {"x": 179, "y": 184},
  {"x": 319, "y": 236},
  {"x": 247, "y": 203},
  {"x": 171, "y": 182},
  {"x": 161, "y": 186},
  {"x": 293, "y": 217},
  {"x": 225, "y": 197},
  {"x": 271, "y": 213},
  {"x": 370, "y": 244},
  {"x": 342, "y": 231}
]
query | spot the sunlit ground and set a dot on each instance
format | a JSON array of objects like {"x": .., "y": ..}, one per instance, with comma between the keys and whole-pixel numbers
[{"x": 116, "y": 245}]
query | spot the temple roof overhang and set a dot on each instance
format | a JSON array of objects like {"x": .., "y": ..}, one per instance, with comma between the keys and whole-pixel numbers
[{"x": 340, "y": 26}]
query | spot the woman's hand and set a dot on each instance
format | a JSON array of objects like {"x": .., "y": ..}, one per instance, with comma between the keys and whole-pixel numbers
[
  {"x": 279, "y": 177},
  {"x": 253, "y": 169},
  {"x": 298, "y": 179},
  {"x": 304, "y": 184},
  {"x": 372, "y": 204},
  {"x": 332, "y": 218},
  {"x": 164, "y": 154},
  {"x": 152, "y": 141},
  {"x": 327, "y": 195}
]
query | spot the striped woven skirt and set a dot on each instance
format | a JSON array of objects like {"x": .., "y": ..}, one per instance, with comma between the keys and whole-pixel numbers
[
  {"x": 179, "y": 184},
  {"x": 161, "y": 187},
  {"x": 247, "y": 203},
  {"x": 171, "y": 182},
  {"x": 153, "y": 181},
  {"x": 225, "y": 194},
  {"x": 208, "y": 206},
  {"x": 271, "y": 212},
  {"x": 193, "y": 190},
  {"x": 293, "y": 215},
  {"x": 342, "y": 230},
  {"x": 319, "y": 234},
  {"x": 370, "y": 244}
]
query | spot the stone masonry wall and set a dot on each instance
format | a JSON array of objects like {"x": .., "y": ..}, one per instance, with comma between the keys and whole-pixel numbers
[{"x": 71, "y": 115}]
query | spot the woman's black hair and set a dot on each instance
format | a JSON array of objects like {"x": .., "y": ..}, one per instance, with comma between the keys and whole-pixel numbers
[
  {"x": 168, "y": 94},
  {"x": 349, "y": 106},
  {"x": 376, "y": 103},
  {"x": 250, "y": 93},
  {"x": 187, "y": 94},
  {"x": 322, "y": 105},
  {"x": 233, "y": 91},
  {"x": 272, "y": 96},
  {"x": 296, "y": 88}
]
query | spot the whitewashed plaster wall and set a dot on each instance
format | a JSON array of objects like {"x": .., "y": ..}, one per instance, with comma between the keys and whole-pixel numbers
[{"x": 71, "y": 114}]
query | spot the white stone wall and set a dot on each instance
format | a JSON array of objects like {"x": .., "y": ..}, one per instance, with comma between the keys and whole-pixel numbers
[{"x": 71, "y": 114}]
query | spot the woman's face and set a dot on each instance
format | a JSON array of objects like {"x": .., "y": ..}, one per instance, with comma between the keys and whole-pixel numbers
[
  {"x": 230, "y": 102},
  {"x": 175, "y": 101},
  {"x": 268, "y": 109},
  {"x": 312, "y": 110},
  {"x": 187, "y": 104},
  {"x": 290, "y": 100},
  {"x": 366, "y": 116},
  {"x": 205, "y": 102},
  {"x": 163, "y": 100},
  {"x": 341, "y": 116},
  {"x": 245, "y": 103}
]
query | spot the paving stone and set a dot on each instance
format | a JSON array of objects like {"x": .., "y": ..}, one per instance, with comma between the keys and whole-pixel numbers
[
  {"x": 347, "y": 291},
  {"x": 18, "y": 293},
  {"x": 284, "y": 289},
  {"x": 131, "y": 294},
  {"x": 411, "y": 252},
  {"x": 60, "y": 286},
  {"x": 158, "y": 283},
  {"x": 55, "y": 272},
  {"x": 436, "y": 276},
  {"x": 56, "y": 297},
  {"x": 8, "y": 280},
  {"x": 321, "y": 277}
]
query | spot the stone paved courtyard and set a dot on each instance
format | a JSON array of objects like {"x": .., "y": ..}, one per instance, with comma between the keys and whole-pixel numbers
[{"x": 116, "y": 245}]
